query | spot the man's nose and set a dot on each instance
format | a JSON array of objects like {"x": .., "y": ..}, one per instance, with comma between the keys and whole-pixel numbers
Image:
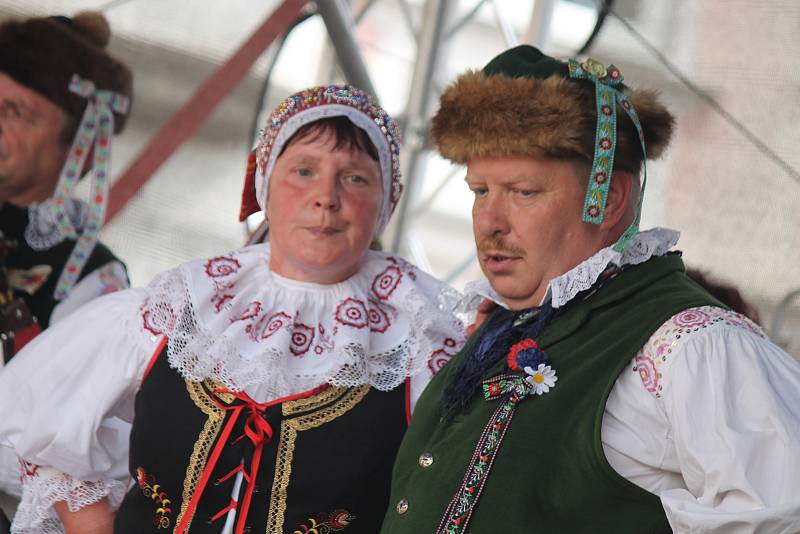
[{"x": 491, "y": 216}]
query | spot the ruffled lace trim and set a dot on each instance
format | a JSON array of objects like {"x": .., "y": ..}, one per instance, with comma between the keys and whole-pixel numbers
[
  {"x": 43, "y": 487},
  {"x": 231, "y": 319},
  {"x": 43, "y": 232},
  {"x": 562, "y": 289}
]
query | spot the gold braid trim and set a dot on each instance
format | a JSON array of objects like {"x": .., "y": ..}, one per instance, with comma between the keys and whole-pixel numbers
[
  {"x": 202, "y": 398},
  {"x": 313, "y": 402},
  {"x": 289, "y": 431}
]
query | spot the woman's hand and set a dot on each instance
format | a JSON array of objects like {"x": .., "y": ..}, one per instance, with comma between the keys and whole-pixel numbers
[{"x": 94, "y": 518}]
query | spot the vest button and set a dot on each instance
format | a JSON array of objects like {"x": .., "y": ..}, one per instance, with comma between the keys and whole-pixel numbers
[
  {"x": 402, "y": 506},
  {"x": 425, "y": 459}
]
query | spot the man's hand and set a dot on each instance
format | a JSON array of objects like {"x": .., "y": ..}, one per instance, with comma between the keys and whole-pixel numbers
[
  {"x": 484, "y": 309},
  {"x": 94, "y": 518}
]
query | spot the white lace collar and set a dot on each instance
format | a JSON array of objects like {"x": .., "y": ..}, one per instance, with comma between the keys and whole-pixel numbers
[
  {"x": 562, "y": 289},
  {"x": 231, "y": 319},
  {"x": 43, "y": 231}
]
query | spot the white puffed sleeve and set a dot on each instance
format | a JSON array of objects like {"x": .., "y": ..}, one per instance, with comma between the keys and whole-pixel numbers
[
  {"x": 67, "y": 403},
  {"x": 733, "y": 402},
  {"x": 708, "y": 419}
]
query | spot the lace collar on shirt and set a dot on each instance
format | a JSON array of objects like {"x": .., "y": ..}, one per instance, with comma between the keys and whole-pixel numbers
[
  {"x": 562, "y": 289},
  {"x": 231, "y": 319}
]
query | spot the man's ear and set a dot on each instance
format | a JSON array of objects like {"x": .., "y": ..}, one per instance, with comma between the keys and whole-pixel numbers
[{"x": 620, "y": 204}]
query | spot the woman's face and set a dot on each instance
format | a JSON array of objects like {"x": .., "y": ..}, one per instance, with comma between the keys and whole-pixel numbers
[{"x": 322, "y": 208}]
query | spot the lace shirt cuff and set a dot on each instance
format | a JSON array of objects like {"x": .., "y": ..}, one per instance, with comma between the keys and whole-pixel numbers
[{"x": 42, "y": 487}]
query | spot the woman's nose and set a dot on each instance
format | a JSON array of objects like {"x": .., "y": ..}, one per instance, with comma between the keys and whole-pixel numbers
[{"x": 326, "y": 194}]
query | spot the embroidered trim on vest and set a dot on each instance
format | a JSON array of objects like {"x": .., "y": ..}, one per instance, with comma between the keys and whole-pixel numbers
[
  {"x": 348, "y": 398},
  {"x": 457, "y": 515},
  {"x": 205, "y": 440},
  {"x": 147, "y": 483},
  {"x": 328, "y": 395},
  {"x": 323, "y": 523}
]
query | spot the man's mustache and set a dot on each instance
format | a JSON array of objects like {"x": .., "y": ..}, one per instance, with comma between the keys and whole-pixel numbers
[{"x": 497, "y": 244}]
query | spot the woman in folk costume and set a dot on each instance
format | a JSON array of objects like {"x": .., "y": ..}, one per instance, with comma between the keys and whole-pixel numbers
[{"x": 269, "y": 388}]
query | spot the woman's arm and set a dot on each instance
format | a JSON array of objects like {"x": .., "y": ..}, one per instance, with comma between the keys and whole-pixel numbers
[{"x": 94, "y": 518}]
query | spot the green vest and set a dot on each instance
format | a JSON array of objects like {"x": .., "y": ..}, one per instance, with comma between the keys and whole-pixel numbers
[{"x": 550, "y": 474}]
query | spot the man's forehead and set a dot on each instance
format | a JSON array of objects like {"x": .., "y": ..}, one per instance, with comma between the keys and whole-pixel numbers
[{"x": 11, "y": 90}]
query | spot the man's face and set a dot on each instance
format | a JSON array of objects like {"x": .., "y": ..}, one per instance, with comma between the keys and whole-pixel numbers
[
  {"x": 31, "y": 150},
  {"x": 322, "y": 209},
  {"x": 527, "y": 223}
]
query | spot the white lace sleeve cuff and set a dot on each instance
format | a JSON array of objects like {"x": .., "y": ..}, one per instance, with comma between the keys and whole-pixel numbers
[{"x": 42, "y": 487}]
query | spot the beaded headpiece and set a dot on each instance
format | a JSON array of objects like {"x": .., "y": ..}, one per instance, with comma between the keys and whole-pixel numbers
[
  {"x": 525, "y": 103},
  {"x": 324, "y": 102}
]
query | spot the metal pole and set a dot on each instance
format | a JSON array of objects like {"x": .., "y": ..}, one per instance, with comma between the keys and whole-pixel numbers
[
  {"x": 428, "y": 51},
  {"x": 339, "y": 23},
  {"x": 538, "y": 33}
]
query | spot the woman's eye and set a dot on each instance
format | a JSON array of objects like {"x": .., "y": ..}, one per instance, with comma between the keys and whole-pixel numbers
[
  {"x": 303, "y": 171},
  {"x": 356, "y": 179}
]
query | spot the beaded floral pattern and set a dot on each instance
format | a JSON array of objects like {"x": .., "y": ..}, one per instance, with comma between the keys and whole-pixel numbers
[
  {"x": 330, "y": 101},
  {"x": 658, "y": 350}
]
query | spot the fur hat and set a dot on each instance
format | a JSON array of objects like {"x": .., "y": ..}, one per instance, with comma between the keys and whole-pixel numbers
[
  {"x": 524, "y": 103},
  {"x": 44, "y": 53}
]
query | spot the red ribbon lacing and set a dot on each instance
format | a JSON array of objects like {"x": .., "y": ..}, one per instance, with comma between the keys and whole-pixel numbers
[{"x": 259, "y": 432}]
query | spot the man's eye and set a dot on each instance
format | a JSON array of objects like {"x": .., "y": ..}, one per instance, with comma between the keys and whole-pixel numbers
[
  {"x": 303, "y": 171},
  {"x": 479, "y": 191},
  {"x": 525, "y": 193}
]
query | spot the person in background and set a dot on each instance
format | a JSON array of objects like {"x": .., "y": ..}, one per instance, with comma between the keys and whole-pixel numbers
[
  {"x": 725, "y": 293},
  {"x": 62, "y": 96},
  {"x": 268, "y": 387},
  {"x": 607, "y": 392}
]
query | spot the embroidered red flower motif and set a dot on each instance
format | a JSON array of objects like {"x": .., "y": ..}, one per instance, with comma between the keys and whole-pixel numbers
[
  {"x": 352, "y": 312},
  {"x": 159, "y": 319},
  {"x": 340, "y": 519},
  {"x": 378, "y": 318},
  {"x": 648, "y": 373},
  {"x": 606, "y": 109},
  {"x": 494, "y": 388},
  {"x": 222, "y": 266},
  {"x": 252, "y": 310},
  {"x": 516, "y": 349},
  {"x": 275, "y": 322},
  {"x": 302, "y": 337},
  {"x": 386, "y": 282},
  {"x": 600, "y": 177},
  {"x": 594, "y": 211},
  {"x": 605, "y": 143},
  {"x": 438, "y": 359},
  {"x": 614, "y": 73},
  {"x": 691, "y": 319}
]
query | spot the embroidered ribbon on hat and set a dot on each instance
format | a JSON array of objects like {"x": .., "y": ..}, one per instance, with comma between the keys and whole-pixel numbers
[
  {"x": 608, "y": 84},
  {"x": 95, "y": 131}
]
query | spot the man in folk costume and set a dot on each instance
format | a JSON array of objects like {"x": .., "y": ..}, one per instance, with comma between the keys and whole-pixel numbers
[
  {"x": 607, "y": 392},
  {"x": 62, "y": 96}
]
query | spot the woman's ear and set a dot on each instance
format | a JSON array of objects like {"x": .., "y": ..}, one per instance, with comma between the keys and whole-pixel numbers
[{"x": 623, "y": 196}]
